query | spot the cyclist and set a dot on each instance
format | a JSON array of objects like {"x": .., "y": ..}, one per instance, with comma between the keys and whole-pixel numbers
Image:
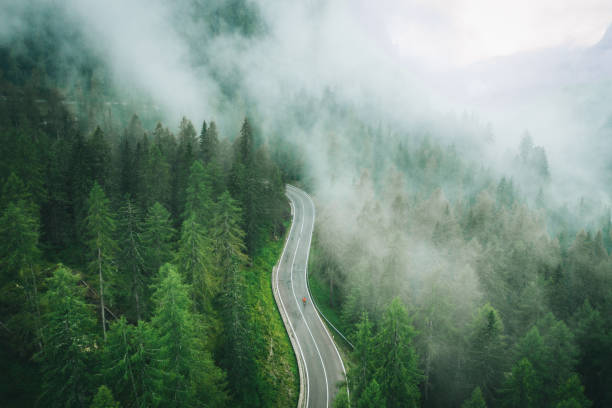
[{"x": 304, "y": 300}]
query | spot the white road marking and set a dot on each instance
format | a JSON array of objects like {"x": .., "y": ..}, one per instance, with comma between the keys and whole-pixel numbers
[
  {"x": 302, "y": 313},
  {"x": 287, "y": 314},
  {"x": 306, "y": 277}
]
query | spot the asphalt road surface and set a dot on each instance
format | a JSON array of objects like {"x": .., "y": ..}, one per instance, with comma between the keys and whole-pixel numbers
[{"x": 321, "y": 362}]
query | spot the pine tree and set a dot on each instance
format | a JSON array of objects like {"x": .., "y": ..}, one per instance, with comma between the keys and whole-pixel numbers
[
  {"x": 156, "y": 238},
  {"x": 100, "y": 224},
  {"x": 209, "y": 143},
  {"x": 476, "y": 400},
  {"x": 238, "y": 349},
  {"x": 19, "y": 255},
  {"x": 244, "y": 185},
  {"x": 363, "y": 372},
  {"x": 65, "y": 361},
  {"x": 133, "y": 283},
  {"x": 371, "y": 396},
  {"x": 128, "y": 363},
  {"x": 398, "y": 374},
  {"x": 571, "y": 394},
  {"x": 104, "y": 399},
  {"x": 521, "y": 387},
  {"x": 190, "y": 377},
  {"x": 195, "y": 263},
  {"x": 198, "y": 196},
  {"x": 486, "y": 351},
  {"x": 227, "y": 236}
]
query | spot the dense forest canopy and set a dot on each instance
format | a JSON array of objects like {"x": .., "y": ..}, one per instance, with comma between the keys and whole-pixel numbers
[{"x": 144, "y": 150}]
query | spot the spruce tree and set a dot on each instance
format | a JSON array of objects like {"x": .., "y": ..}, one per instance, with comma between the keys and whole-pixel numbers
[
  {"x": 476, "y": 400},
  {"x": 398, "y": 374},
  {"x": 189, "y": 376},
  {"x": 66, "y": 359},
  {"x": 100, "y": 224},
  {"x": 371, "y": 396},
  {"x": 156, "y": 238},
  {"x": 131, "y": 277},
  {"x": 520, "y": 389},
  {"x": 104, "y": 399},
  {"x": 19, "y": 257}
]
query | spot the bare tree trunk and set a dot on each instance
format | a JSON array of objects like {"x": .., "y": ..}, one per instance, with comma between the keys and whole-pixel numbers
[{"x": 101, "y": 293}]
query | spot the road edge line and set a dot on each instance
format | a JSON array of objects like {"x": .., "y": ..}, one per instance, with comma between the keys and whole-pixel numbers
[{"x": 288, "y": 327}]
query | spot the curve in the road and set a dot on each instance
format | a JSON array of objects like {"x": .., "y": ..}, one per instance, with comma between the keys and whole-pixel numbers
[{"x": 318, "y": 356}]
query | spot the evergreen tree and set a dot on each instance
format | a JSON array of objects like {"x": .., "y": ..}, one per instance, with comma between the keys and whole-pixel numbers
[
  {"x": 209, "y": 143},
  {"x": 156, "y": 239},
  {"x": 371, "y": 396},
  {"x": 361, "y": 375},
  {"x": 19, "y": 256},
  {"x": 398, "y": 374},
  {"x": 245, "y": 185},
  {"x": 128, "y": 363},
  {"x": 198, "y": 196},
  {"x": 100, "y": 224},
  {"x": 486, "y": 351},
  {"x": 195, "y": 263},
  {"x": 189, "y": 376},
  {"x": 104, "y": 399},
  {"x": 521, "y": 387},
  {"x": 65, "y": 361},
  {"x": 133, "y": 281},
  {"x": 571, "y": 394},
  {"x": 476, "y": 400}
]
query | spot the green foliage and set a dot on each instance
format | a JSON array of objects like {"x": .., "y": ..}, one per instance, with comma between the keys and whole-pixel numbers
[
  {"x": 195, "y": 262},
  {"x": 131, "y": 281},
  {"x": 476, "y": 400},
  {"x": 188, "y": 374},
  {"x": 371, "y": 396},
  {"x": 129, "y": 353},
  {"x": 571, "y": 394},
  {"x": 397, "y": 372},
  {"x": 68, "y": 356},
  {"x": 104, "y": 399},
  {"x": 157, "y": 237},
  {"x": 487, "y": 345},
  {"x": 521, "y": 387},
  {"x": 100, "y": 224}
]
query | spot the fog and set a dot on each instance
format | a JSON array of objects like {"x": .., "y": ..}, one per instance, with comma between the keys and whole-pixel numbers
[{"x": 405, "y": 65}]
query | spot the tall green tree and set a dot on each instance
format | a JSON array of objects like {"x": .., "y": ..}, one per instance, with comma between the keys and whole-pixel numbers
[
  {"x": 100, "y": 224},
  {"x": 371, "y": 396},
  {"x": 189, "y": 376},
  {"x": 194, "y": 259},
  {"x": 198, "y": 201},
  {"x": 19, "y": 258},
  {"x": 209, "y": 142},
  {"x": 131, "y": 277},
  {"x": 66, "y": 362},
  {"x": 157, "y": 238},
  {"x": 398, "y": 373},
  {"x": 486, "y": 351},
  {"x": 520, "y": 389},
  {"x": 476, "y": 400},
  {"x": 129, "y": 363},
  {"x": 365, "y": 352},
  {"x": 104, "y": 399}
]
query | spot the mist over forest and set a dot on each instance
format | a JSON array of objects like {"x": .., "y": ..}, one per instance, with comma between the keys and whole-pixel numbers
[{"x": 462, "y": 200}]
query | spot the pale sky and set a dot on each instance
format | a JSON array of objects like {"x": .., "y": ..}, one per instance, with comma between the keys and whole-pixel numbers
[{"x": 451, "y": 33}]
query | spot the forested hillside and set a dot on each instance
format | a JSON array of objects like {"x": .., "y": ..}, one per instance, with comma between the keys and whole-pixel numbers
[
  {"x": 494, "y": 295},
  {"x": 133, "y": 260}
]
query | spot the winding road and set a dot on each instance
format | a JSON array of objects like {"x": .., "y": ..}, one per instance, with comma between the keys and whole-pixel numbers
[{"x": 320, "y": 365}]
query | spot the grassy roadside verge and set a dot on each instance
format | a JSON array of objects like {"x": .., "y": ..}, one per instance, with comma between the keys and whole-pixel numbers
[{"x": 276, "y": 364}]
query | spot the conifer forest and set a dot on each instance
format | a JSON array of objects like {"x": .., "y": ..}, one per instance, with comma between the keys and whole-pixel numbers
[{"x": 458, "y": 156}]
